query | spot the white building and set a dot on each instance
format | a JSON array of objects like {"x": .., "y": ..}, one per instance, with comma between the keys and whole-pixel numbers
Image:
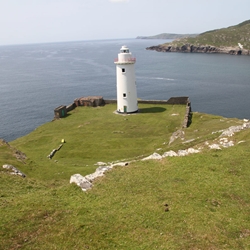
[{"x": 125, "y": 82}]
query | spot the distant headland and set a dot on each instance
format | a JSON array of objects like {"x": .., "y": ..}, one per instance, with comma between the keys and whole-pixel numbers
[
  {"x": 233, "y": 40},
  {"x": 167, "y": 36}
]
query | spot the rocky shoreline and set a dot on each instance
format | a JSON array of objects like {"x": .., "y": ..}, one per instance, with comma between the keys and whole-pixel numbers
[{"x": 190, "y": 48}]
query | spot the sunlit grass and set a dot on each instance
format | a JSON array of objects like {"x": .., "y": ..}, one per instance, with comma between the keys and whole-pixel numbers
[{"x": 207, "y": 193}]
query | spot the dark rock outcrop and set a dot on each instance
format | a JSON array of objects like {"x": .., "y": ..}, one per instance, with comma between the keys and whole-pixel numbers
[{"x": 190, "y": 48}]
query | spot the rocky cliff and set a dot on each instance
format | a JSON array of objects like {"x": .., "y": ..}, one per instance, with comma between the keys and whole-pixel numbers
[{"x": 190, "y": 48}]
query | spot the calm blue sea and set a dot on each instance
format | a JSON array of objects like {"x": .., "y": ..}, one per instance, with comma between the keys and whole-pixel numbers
[{"x": 35, "y": 79}]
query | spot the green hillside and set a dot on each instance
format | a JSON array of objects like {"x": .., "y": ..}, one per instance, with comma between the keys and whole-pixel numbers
[
  {"x": 207, "y": 193},
  {"x": 225, "y": 37}
]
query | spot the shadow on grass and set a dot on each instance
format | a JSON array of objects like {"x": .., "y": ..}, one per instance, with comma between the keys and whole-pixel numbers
[
  {"x": 152, "y": 110},
  {"x": 68, "y": 114},
  {"x": 190, "y": 117}
]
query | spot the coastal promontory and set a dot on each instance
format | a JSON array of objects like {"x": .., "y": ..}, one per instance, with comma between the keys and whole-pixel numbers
[
  {"x": 233, "y": 40},
  {"x": 167, "y": 36}
]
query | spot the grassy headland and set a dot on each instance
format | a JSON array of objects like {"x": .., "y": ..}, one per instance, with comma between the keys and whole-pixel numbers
[
  {"x": 229, "y": 37},
  {"x": 207, "y": 193},
  {"x": 223, "y": 40}
]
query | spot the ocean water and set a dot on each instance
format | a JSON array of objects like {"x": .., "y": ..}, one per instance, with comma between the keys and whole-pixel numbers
[{"x": 35, "y": 79}]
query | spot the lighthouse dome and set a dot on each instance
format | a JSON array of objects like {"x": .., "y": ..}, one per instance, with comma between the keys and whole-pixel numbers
[{"x": 124, "y": 49}]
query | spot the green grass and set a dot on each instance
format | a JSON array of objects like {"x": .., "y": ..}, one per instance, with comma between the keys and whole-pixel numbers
[
  {"x": 97, "y": 134},
  {"x": 207, "y": 193}
]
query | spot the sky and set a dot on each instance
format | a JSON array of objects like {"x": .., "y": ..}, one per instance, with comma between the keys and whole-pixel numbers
[{"x": 42, "y": 21}]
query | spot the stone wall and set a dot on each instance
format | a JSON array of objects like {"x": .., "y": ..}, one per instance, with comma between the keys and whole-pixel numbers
[
  {"x": 99, "y": 101},
  {"x": 110, "y": 101},
  {"x": 180, "y": 100},
  {"x": 60, "y": 111},
  {"x": 188, "y": 116},
  {"x": 89, "y": 101},
  {"x": 70, "y": 107}
]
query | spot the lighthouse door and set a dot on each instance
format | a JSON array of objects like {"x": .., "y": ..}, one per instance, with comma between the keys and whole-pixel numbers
[{"x": 125, "y": 109}]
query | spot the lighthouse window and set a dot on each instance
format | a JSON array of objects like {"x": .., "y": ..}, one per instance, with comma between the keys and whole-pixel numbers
[
  {"x": 123, "y": 70},
  {"x": 124, "y": 94}
]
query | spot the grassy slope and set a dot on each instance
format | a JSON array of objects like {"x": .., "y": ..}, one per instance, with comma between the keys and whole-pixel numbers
[
  {"x": 229, "y": 37},
  {"x": 96, "y": 134},
  {"x": 208, "y": 193}
]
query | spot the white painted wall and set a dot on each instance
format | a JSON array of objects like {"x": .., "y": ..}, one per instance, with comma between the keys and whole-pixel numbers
[{"x": 126, "y": 82}]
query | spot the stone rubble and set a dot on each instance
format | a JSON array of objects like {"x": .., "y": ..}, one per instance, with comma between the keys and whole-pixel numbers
[
  {"x": 98, "y": 173},
  {"x": 80, "y": 181},
  {"x": 14, "y": 170},
  {"x": 214, "y": 146},
  {"x": 229, "y": 132},
  {"x": 154, "y": 156},
  {"x": 170, "y": 153},
  {"x": 225, "y": 143},
  {"x": 193, "y": 151},
  {"x": 182, "y": 152},
  {"x": 234, "y": 129},
  {"x": 85, "y": 182}
]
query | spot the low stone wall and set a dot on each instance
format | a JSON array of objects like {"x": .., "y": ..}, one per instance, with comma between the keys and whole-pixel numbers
[
  {"x": 188, "y": 116},
  {"x": 172, "y": 100},
  {"x": 181, "y": 100},
  {"x": 153, "y": 101},
  {"x": 71, "y": 107},
  {"x": 89, "y": 101},
  {"x": 99, "y": 101},
  {"x": 60, "y": 111},
  {"x": 110, "y": 101}
]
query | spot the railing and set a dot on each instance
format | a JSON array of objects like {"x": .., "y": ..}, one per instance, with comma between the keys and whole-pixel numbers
[{"x": 132, "y": 59}]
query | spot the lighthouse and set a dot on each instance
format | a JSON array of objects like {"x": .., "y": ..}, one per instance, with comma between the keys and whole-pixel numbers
[{"x": 125, "y": 82}]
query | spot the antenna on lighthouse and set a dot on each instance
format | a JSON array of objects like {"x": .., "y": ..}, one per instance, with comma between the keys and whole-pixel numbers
[{"x": 125, "y": 82}]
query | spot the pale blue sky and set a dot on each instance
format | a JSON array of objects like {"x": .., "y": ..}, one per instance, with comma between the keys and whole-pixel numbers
[{"x": 39, "y": 21}]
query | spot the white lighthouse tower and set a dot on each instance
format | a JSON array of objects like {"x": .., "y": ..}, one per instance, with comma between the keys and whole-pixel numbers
[{"x": 125, "y": 81}]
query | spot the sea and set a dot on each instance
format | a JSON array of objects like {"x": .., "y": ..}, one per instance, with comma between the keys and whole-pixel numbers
[{"x": 37, "y": 78}]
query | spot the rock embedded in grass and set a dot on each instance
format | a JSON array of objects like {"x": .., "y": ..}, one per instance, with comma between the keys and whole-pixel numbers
[
  {"x": 154, "y": 156},
  {"x": 14, "y": 170},
  {"x": 81, "y": 181}
]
